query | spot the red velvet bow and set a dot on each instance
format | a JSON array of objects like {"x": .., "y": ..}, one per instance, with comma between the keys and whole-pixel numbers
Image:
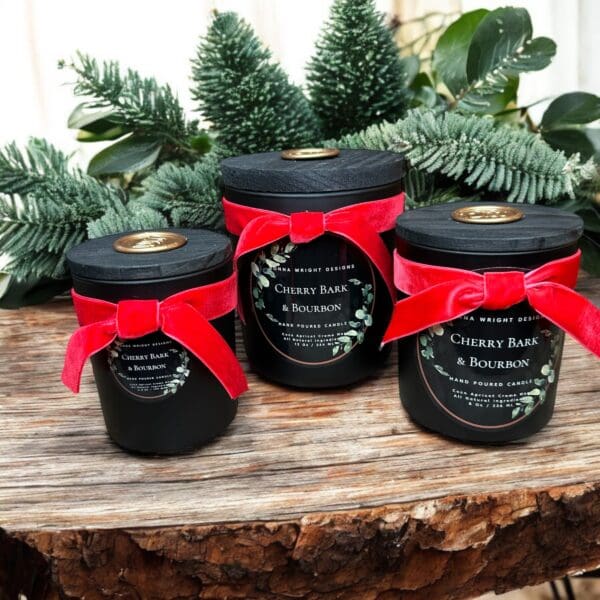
[
  {"x": 183, "y": 317},
  {"x": 439, "y": 294},
  {"x": 360, "y": 224}
]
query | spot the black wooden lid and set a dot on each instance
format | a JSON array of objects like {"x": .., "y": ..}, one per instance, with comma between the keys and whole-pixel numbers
[
  {"x": 98, "y": 259},
  {"x": 540, "y": 228},
  {"x": 350, "y": 170}
]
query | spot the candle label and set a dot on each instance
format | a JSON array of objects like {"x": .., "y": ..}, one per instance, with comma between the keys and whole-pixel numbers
[
  {"x": 153, "y": 366},
  {"x": 491, "y": 368},
  {"x": 313, "y": 302}
]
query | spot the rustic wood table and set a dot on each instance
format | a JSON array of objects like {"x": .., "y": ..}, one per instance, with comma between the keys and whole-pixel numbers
[{"x": 308, "y": 495}]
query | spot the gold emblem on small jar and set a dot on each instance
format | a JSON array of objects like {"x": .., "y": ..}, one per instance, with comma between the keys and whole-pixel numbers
[
  {"x": 149, "y": 241},
  {"x": 487, "y": 213},
  {"x": 309, "y": 153}
]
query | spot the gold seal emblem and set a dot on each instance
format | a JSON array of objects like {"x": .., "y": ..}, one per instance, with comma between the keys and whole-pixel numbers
[
  {"x": 487, "y": 213},
  {"x": 309, "y": 153},
  {"x": 149, "y": 241}
]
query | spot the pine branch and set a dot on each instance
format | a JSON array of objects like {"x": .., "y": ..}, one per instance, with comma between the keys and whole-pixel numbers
[
  {"x": 189, "y": 195},
  {"x": 247, "y": 98},
  {"x": 44, "y": 209},
  {"x": 356, "y": 77},
  {"x": 21, "y": 171},
  {"x": 126, "y": 217},
  {"x": 481, "y": 153},
  {"x": 138, "y": 103}
]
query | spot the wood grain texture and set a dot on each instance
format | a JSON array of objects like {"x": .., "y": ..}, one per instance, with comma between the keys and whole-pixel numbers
[{"x": 308, "y": 495}]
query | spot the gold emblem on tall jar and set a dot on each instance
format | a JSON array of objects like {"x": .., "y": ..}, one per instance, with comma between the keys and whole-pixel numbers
[
  {"x": 149, "y": 241},
  {"x": 487, "y": 213},
  {"x": 309, "y": 153}
]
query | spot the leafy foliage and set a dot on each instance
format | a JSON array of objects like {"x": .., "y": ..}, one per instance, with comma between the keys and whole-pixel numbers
[
  {"x": 501, "y": 48},
  {"x": 45, "y": 208},
  {"x": 480, "y": 152},
  {"x": 247, "y": 98},
  {"x": 356, "y": 78},
  {"x": 487, "y": 154},
  {"x": 121, "y": 104},
  {"x": 135, "y": 102},
  {"x": 188, "y": 194}
]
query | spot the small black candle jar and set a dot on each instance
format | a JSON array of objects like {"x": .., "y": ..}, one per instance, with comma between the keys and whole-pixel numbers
[
  {"x": 490, "y": 375},
  {"x": 314, "y": 313},
  {"x": 156, "y": 396}
]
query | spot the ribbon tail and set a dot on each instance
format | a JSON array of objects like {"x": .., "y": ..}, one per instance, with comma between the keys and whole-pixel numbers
[
  {"x": 193, "y": 331},
  {"x": 370, "y": 242},
  {"x": 437, "y": 304},
  {"x": 568, "y": 310},
  {"x": 259, "y": 232},
  {"x": 85, "y": 342}
]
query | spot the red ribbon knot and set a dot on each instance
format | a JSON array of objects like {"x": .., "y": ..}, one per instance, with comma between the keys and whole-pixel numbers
[
  {"x": 502, "y": 289},
  {"x": 440, "y": 294},
  {"x": 184, "y": 317},
  {"x": 306, "y": 226},
  {"x": 136, "y": 318}
]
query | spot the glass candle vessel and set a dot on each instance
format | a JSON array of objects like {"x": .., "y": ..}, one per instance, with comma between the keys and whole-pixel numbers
[
  {"x": 313, "y": 310},
  {"x": 156, "y": 395},
  {"x": 489, "y": 375}
]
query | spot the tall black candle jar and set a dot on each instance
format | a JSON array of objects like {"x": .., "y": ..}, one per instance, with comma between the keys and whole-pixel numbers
[
  {"x": 313, "y": 313},
  {"x": 156, "y": 396},
  {"x": 490, "y": 375}
]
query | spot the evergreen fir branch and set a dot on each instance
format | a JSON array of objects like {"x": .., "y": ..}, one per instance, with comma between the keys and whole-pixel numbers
[
  {"x": 247, "y": 98},
  {"x": 44, "y": 209},
  {"x": 356, "y": 77},
  {"x": 138, "y": 103},
  {"x": 189, "y": 195},
  {"x": 132, "y": 216},
  {"x": 21, "y": 171},
  {"x": 480, "y": 152}
]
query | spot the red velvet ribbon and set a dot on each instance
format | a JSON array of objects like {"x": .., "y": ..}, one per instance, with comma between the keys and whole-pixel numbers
[
  {"x": 439, "y": 294},
  {"x": 183, "y": 317},
  {"x": 360, "y": 224}
]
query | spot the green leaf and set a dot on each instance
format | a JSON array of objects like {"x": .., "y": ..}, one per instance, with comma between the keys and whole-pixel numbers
[
  {"x": 83, "y": 117},
  {"x": 591, "y": 255},
  {"x": 570, "y": 141},
  {"x": 112, "y": 133},
  {"x": 591, "y": 219},
  {"x": 450, "y": 54},
  {"x": 502, "y": 47},
  {"x": 576, "y": 108},
  {"x": 411, "y": 66},
  {"x": 491, "y": 104},
  {"x": 593, "y": 134},
  {"x": 131, "y": 154},
  {"x": 426, "y": 96}
]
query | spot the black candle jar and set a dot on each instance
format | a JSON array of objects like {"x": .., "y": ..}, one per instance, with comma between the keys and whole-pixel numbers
[
  {"x": 156, "y": 396},
  {"x": 314, "y": 313},
  {"x": 490, "y": 375}
]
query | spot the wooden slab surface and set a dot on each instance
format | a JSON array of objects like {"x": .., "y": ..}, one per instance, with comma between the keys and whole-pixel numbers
[{"x": 313, "y": 462}]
